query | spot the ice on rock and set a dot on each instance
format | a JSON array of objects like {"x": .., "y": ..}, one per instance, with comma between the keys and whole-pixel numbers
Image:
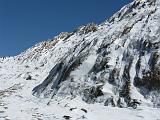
[{"x": 116, "y": 63}]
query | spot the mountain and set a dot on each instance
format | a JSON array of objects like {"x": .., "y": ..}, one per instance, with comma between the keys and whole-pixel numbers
[{"x": 107, "y": 71}]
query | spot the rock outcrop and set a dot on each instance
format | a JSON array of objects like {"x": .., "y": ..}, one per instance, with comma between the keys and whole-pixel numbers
[{"x": 122, "y": 55}]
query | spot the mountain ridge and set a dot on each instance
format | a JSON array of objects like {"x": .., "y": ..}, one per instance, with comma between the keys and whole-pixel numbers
[
  {"x": 124, "y": 91},
  {"x": 116, "y": 64}
]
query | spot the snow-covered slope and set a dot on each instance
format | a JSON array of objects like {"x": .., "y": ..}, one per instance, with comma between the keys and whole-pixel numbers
[{"x": 83, "y": 73}]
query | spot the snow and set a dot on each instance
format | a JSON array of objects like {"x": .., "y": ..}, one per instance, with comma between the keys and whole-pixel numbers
[
  {"x": 108, "y": 88},
  {"x": 86, "y": 66},
  {"x": 33, "y": 109},
  {"x": 18, "y": 103}
]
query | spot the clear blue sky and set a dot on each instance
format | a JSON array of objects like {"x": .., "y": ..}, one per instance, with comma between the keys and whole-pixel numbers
[{"x": 23, "y": 23}]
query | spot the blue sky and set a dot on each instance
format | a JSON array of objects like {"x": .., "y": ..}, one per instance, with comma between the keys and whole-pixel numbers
[{"x": 23, "y": 23}]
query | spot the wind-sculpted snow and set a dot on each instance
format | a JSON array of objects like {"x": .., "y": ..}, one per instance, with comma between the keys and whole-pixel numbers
[{"x": 116, "y": 63}]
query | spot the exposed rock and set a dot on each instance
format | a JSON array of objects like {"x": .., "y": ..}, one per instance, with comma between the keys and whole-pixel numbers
[
  {"x": 66, "y": 117},
  {"x": 71, "y": 109},
  {"x": 84, "y": 110},
  {"x": 29, "y": 77},
  {"x": 110, "y": 101},
  {"x": 122, "y": 53},
  {"x": 91, "y": 27}
]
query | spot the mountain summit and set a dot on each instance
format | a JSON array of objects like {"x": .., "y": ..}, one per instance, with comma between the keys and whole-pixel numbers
[{"x": 116, "y": 63}]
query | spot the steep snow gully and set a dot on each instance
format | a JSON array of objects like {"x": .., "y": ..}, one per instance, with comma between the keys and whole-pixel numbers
[{"x": 116, "y": 63}]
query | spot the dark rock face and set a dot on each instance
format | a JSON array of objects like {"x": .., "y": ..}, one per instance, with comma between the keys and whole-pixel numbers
[
  {"x": 61, "y": 71},
  {"x": 150, "y": 79},
  {"x": 126, "y": 49}
]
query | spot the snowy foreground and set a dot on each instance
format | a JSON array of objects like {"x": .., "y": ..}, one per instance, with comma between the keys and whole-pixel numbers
[
  {"x": 31, "y": 109},
  {"x": 18, "y": 103},
  {"x": 93, "y": 73}
]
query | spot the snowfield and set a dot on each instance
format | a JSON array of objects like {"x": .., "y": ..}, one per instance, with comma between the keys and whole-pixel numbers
[{"x": 93, "y": 73}]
